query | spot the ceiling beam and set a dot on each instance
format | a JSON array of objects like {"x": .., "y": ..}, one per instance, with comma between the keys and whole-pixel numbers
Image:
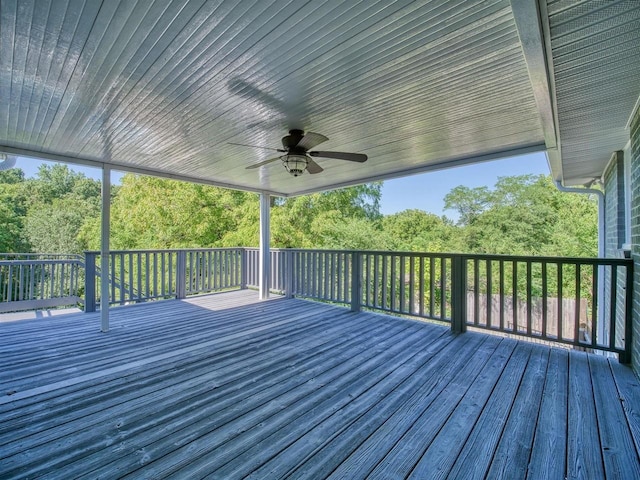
[
  {"x": 533, "y": 30},
  {"x": 527, "y": 18},
  {"x": 124, "y": 168}
]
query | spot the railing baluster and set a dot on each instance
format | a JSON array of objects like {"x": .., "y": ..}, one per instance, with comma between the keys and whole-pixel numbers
[
  {"x": 594, "y": 306},
  {"x": 384, "y": 303},
  {"x": 612, "y": 312},
  {"x": 51, "y": 288},
  {"x": 163, "y": 268},
  {"x": 529, "y": 286},
  {"x": 443, "y": 293},
  {"x": 544, "y": 299},
  {"x": 412, "y": 272},
  {"x": 476, "y": 291},
  {"x": 576, "y": 326},
  {"x": 559, "y": 289},
  {"x": 131, "y": 288},
  {"x": 327, "y": 275},
  {"x": 489, "y": 293},
  {"x": 401, "y": 278},
  {"x": 376, "y": 280},
  {"x": 625, "y": 355},
  {"x": 138, "y": 296},
  {"x": 421, "y": 287},
  {"x": 514, "y": 294},
  {"x": 432, "y": 286},
  {"x": 339, "y": 258}
]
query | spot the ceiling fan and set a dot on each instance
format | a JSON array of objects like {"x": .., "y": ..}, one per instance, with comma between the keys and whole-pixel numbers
[{"x": 297, "y": 157}]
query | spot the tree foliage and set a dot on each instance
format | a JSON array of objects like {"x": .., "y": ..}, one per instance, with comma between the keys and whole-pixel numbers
[
  {"x": 13, "y": 208},
  {"x": 525, "y": 215},
  {"x": 59, "y": 211}
]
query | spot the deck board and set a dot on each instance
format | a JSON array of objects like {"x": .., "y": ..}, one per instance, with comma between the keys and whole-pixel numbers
[
  {"x": 226, "y": 386},
  {"x": 549, "y": 451}
]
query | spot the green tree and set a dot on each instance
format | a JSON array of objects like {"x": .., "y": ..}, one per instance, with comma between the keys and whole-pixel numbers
[
  {"x": 344, "y": 217},
  {"x": 417, "y": 230},
  {"x": 151, "y": 212},
  {"x": 13, "y": 208},
  {"x": 60, "y": 202},
  {"x": 525, "y": 215}
]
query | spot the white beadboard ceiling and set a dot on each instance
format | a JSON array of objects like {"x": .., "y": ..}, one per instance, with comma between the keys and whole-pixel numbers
[{"x": 163, "y": 87}]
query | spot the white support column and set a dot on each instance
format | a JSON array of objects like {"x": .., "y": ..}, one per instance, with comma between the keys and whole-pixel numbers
[
  {"x": 104, "y": 248},
  {"x": 265, "y": 235}
]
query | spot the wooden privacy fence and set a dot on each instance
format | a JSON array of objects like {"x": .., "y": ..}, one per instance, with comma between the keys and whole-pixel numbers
[{"x": 493, "y": 307}]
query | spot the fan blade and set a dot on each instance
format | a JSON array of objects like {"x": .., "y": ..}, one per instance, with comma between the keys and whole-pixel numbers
[
  {"x": 352, "y": 157},
  {"x": 7, "y": 161},
  {"x": 256, "y": 146},
  {"x": 310, "y": 140},
  {"x": 262, "y": 163},
  {"x": 313, "y": 167}
]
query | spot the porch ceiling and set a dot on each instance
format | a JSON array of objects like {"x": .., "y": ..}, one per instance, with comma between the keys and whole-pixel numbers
[{"x": 163, "y": 87}]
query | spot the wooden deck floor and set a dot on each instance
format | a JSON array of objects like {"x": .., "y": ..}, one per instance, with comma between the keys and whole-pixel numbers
[{"x": 224, "y": 386}]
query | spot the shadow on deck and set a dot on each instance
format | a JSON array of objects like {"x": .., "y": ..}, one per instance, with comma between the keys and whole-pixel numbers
[{"x": 226, "y": 386}]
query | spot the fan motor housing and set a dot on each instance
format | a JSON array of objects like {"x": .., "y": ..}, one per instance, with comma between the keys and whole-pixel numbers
[{"x": 290, "y": 141}]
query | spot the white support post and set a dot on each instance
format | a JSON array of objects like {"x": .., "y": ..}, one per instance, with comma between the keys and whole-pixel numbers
[
  {"x": 265, "y": 234},
  {"x": 104, "y": 248}
]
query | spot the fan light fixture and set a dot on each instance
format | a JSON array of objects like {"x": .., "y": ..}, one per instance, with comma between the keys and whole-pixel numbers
[{"x": 295, "y": 164}]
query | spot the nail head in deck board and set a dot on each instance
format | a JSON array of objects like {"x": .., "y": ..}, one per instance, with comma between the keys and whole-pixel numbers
[
  {"x": 617, "y": 445},
  {"x": 584, "y": 454},
  {"x": 343, "y": 458},
  {"x": 514, "y": 449},
  {"x": 438, "y": 459},
  {"x": 548, "y": 456},
  {"x": 474, "y": 459}
]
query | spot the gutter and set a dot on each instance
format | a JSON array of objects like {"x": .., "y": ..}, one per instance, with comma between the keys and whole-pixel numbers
[{"x": 602, "y": 330}]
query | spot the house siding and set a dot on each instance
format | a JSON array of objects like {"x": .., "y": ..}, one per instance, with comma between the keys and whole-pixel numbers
[
  {"x": 615, "y": 234},
  {"x": 635, "y": 236},
  {"x": 614, "y": 204}
]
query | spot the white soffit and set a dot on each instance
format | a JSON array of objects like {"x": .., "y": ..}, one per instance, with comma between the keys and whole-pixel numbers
[
  {"x": 595, "y": 48},
  {"x": 162, "y": 87}
]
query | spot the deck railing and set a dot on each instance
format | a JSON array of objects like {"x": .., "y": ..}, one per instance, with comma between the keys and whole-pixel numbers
[
  {"x": 582, "y": 302},
  {"x": 141, "y": 275},
  {"x": 553, "y": 299},
  {"x": 34, "y": 281}
]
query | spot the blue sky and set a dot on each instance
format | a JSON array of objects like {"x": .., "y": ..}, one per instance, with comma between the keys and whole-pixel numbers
[{"x": 425, "y": 192}]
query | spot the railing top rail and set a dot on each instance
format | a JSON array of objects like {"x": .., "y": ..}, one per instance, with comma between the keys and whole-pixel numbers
[
  {"x": 49, "y": 256},
  {"x": 168, "y": 250},
  {"x": 471, "y": 256},
  {"x": 44, "y": 261},
  {"x": 547, "y": 259}
]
